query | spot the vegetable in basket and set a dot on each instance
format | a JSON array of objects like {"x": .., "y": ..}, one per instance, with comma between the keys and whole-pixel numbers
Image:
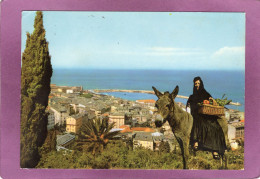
[{"x": 223, "y": 102}]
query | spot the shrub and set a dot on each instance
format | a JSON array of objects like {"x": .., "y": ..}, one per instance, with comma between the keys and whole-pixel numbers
[
  {"x": 87, "y": 95},
  {"x": 117, "y": 156}
]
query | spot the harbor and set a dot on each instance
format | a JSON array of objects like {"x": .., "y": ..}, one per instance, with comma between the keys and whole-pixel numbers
[{"x": 145, "y": 91}]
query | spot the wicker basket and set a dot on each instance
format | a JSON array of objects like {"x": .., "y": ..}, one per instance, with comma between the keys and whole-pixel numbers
[{"x": 211, "y": 110}]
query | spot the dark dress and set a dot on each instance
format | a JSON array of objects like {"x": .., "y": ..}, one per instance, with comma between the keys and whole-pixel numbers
[{"x": 206, "y": 129}]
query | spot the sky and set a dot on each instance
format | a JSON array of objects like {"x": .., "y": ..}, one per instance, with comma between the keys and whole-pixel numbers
[{"x": 142, "y": 40}]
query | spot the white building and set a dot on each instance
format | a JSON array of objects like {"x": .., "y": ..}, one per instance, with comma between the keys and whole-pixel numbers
[
  {"x": 235, "y": 132},
  {"x": 143, "y": 139},
  {"x": 51, "y": 120},
  {"x": 60, "y": 114},
  {"x": 118, "y": 119},
  {"x": 69, "y": 91}
]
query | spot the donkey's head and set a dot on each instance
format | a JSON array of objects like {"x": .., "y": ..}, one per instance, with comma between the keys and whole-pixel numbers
[{"x": 164, "y": 105}]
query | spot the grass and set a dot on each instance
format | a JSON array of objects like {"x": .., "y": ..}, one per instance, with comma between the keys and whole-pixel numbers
[{"x": 118, "y": 156}]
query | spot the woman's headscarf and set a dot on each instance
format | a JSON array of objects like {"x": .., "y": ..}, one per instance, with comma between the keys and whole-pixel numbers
[
  {"x": 201, "y": 94},
  {"x": 201, "y": 87}
]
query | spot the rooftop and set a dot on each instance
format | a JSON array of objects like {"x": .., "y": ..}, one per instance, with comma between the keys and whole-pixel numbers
[
  {"x": 238, "y": 124},
  {"x": 157, "y": 134},
  {"x": 144, "y": 129},
  {"x": 58, "y": 108},
  {"x": 115, "y": 129},
  {"x": 158, "y": 138},
  {"x": 105, "y": 114},
  {"x": 63, "y": 139},
  {"x": 143, "y": 136},
  {"x": 76, "y": 116},
  {"x": 117, "y": 114},
  {"x": 146, "y": 101},
  {"x": 136, "y": 129}
]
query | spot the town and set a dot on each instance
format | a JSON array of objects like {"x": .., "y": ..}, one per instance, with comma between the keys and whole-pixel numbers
[{"x": 70, "y": 107}]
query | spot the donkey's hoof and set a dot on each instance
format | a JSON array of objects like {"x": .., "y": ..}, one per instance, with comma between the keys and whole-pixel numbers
[
  {"x": 215, "y": 155},
  {"x": 196, "y": 146}
]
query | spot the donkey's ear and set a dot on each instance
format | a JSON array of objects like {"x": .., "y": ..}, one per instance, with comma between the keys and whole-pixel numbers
[
  {"x": 157, "y": 93},
  {"x": 175, "y": 92}
]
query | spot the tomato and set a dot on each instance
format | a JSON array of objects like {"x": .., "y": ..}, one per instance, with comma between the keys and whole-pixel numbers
[{"x": 205, "y": 102}]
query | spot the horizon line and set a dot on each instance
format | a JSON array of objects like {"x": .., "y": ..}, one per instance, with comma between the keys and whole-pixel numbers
[{"x": 186, "y": 69}]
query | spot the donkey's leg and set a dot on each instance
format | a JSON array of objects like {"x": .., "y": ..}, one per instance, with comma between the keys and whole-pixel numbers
[
  {"x": 194, "y": 153},
  {"x": 180, "y": 141},
  {"x": 225, "y": 158},
  {"x": 221, "y": 161},
  {"x": 186, "y": 149}
]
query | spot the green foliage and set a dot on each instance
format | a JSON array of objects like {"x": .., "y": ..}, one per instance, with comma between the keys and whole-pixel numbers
[
  {"x": 236, "y": 159},
  {"x": 222, "y": 101},
  {"x": 144, "y": 124},
  {"x": 203, "y": 160},
  {"x": 87, "y": 95},
  {"x": 117, "y": 156},
  {"x": 200, "y": 163},
  {"x": 164, "y": 147},
  {"x": 49, "y": 143},
  {"x": 35, "y": 88},
  {"x": 60, "y": 127},
  {"x": 95, "y": 134},
  {"x": 103, "y": 161},
  {"x": 60, "y": 159}
]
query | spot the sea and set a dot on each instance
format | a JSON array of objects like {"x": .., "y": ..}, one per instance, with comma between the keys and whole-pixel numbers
[{"x": 216, "y": 82}]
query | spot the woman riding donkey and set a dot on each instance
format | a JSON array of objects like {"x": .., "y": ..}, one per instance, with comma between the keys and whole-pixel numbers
[{"x": 206, "y": 134}]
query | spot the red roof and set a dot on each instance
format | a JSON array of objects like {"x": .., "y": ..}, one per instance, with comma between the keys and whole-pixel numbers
[
  {"x": 126, "y": 130},
  {"x": 124, "y": 126},
  {"x": 106, "y": 114},
  {"x": 146, "y": 101},
  {"x": 144, "y": 129},
  {"x": 140, "y": 129}
]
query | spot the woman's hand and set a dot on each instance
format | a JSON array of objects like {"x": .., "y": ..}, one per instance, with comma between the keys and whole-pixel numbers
[{"x": 187, "y": 106}]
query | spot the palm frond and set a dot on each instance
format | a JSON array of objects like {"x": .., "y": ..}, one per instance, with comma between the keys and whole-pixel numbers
[
  {"x": 94, "y": 126},
  {"x": 111, "y": 134},
  {"x": 109, "y": 127},
  {"x": 95, "y": 134}
]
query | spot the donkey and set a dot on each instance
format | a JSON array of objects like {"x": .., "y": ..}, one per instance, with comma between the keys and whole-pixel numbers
[{"x": 180, "y": 121}]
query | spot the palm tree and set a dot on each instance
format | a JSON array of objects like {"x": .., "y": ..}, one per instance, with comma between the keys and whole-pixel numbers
[{"x": 95, "y": 134}]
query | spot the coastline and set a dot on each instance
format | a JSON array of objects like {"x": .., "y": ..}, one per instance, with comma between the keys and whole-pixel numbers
[
  {"x": 144, "y": 91},
  {"x": 130, "y": 91}
]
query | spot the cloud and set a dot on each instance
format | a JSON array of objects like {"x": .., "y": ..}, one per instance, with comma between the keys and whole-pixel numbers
[
  {"x": 150, "y": 57},
  {"x": 229, "y": 51},
  {"x": 228, "y": 58},
  {"x": 156, "y": 51},
  {"x": 171, "y": 51}
]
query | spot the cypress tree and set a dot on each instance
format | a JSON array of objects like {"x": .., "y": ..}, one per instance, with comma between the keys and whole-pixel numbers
[{"x": 35, "y": 88}]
